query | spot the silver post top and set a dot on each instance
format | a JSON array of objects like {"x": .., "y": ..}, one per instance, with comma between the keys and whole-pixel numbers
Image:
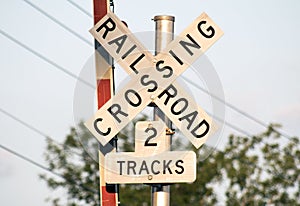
[{"x": 164, "y": 17}]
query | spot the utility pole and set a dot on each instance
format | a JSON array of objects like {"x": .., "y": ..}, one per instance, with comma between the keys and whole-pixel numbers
[
  {"x": 105, "y": 89},
  {"x": 164, "y": 34}
]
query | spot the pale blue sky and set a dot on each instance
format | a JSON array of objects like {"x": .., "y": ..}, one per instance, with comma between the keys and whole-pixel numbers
[{"x": 256, "y": 60}]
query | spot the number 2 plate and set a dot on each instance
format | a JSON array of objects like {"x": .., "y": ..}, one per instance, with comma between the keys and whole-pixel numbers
[{"x": 150, "y": 138}]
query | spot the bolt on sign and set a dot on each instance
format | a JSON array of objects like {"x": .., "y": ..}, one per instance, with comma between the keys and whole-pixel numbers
[{"x": 153, "y": 78}]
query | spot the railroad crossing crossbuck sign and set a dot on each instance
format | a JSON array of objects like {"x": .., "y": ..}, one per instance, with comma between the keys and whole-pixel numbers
[{"x": 153, "y": 79}]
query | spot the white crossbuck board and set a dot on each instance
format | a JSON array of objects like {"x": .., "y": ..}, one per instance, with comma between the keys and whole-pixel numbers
[
  {"x": 150, "y": 163},
  {"x": 153, "y": 79}
]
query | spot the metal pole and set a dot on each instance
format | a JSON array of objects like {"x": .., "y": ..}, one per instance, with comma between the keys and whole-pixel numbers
[{"x": 164, "y": 34}]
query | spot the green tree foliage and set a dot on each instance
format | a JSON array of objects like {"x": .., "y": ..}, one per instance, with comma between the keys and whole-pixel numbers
[{"x": 260, "y": 170}]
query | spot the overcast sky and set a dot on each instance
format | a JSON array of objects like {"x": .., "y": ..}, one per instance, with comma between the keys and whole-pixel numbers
[{"x": 257, "y": 61}]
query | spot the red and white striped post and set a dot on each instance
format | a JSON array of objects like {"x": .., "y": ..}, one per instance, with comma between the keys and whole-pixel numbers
[{"x": 105, "y": 89}]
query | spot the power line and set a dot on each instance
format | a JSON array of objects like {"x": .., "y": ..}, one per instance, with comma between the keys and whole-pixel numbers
[
  {"x": 45, "y": 168},
  {"x": 235, "y": 108},
  {"x": 29, "y": 160},
  {"x": 58, "y": 22},
  {"x": 24, "y": 123},
  {"x": 80, "y": 8},
  {"x": 46, "y": 59},
  {"x": 244, "y": 132},
  {"x": 35, "y": 130}
]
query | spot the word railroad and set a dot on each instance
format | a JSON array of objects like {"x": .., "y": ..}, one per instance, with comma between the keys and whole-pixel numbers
[{"x": 153, "y": 80}]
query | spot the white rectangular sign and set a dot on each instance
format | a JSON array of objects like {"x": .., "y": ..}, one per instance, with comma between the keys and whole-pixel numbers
[{"x": 166, "y": 167}]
